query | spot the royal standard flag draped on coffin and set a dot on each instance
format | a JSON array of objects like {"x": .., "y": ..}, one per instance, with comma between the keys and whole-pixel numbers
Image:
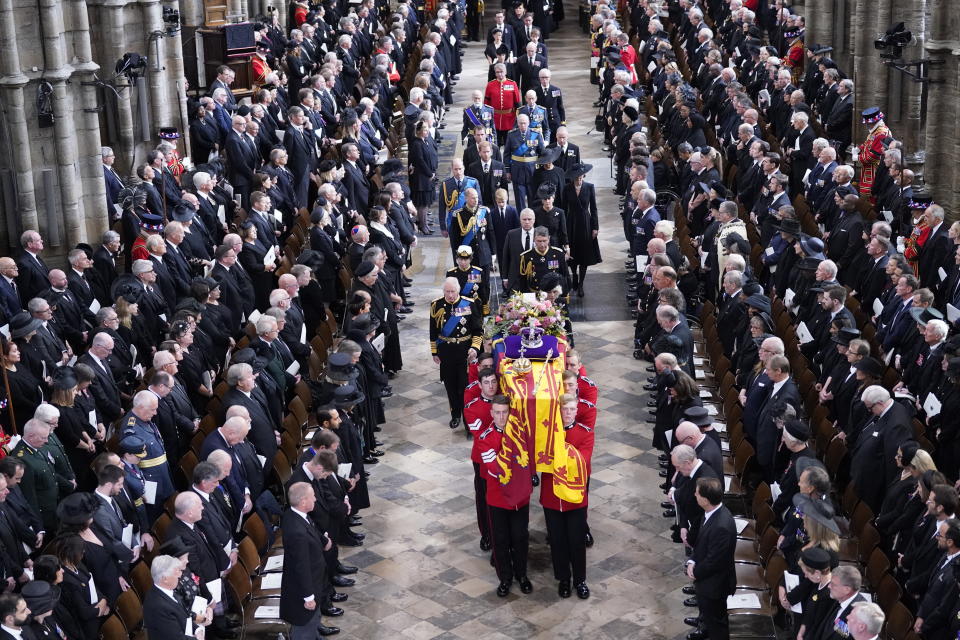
[{"x": 534, "y": 431}]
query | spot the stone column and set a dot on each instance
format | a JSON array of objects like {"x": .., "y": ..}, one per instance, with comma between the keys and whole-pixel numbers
[
  {"x": 819, "y": 21},
  {"x": 158, "y": 80},
  {"x": 115, "y": 45},
  {"x": 12, "y": 83},
  {"x": 869, "y": 75},
  {"x": 943, "y": 105}
]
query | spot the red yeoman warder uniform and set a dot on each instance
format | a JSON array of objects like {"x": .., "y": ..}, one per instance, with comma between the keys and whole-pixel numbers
[
  {"x": 504, "y": 97},
  {"x": 567, "y": 521},
  {"x": 509, "y": 524},
  {"x": 476, "y": 415}
]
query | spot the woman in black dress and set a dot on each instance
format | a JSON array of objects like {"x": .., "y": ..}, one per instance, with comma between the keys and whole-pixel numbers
[
  {"x": 25, "y": 388},
  {"x": 47, "y": 568},
  {"x": 80, "y": 586},
  {"x": 75, "y": 513},
  {"x": 74, "y": 428},
  {"x": 321, "y": 241},
  {"x": 252, "y": 259},
  {"x": 422, "y": 165},
  {"x": 197, "y": 379},
  {"x": 213, "y": 320},
  {"x": 133, "y": 328},
  {"x": 497, "y": 52},
  {"x": 583, "y": 225}
]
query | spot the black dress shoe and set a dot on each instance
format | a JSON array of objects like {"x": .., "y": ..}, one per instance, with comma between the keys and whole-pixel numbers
[
  {"x": 583, "y": 591},
  {"x": 405, "y": 310},
  {"x": 651, "y": 369},
  {"x": 525, "y": 585},
  {"x": 693, "y": 621},
  {"x": 377, "y": 443},
  {"x": 663, "y": 464},
  {"x": 651, "y": 403},
  {"x": 675, "y": 537},
  {"x": 333, "y": 612},
  {"x": 503, "y": 589},
  {"x": 649, "y": 387},
  {"x": 689, "y": 590},
  {"x": 376, "y": 453},
  {"x": 359, "y": 536},
  {"x": 324, "y": 630},
  {"x": 670, "y": 513},
  {"x": 663, "y": 456},
  {"x": 386, "y": 394},
  {"x": 345, "y": 570},
  {"x": 666, "y": 504},
  {"x": 339, "y": 597},
  {"x": 588, "y": 539},
  {"x": 690, "y": 602},
  {"x": 485, "y": 544},
  {"x": 340, "y": 581},
  {"x": 454, "y": 423},
  {"x": 378, "y": 428},
  {"x": 664, "y": 485},
  {"x": 563, "y": 590},
  {"x": 697, "y": 634},
  {"x": 356, "y": 520},
  {"x": 663, "y": 473},
  {"x": 410, "y": 303},
  {"x": 370, "y": 460}
]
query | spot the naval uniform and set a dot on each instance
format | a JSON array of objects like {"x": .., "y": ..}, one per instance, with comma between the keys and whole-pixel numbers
[
  {"x": 474, "y": 284},
  {"x": 474, "y": 117},
  {"x": 520, "y": 153},
  {"x": 539, "y": 119},
  {"x": 470, "y": 228},
  {"x": 534, "y": 265},
  {"x": 455, "y": 328},
  {"x": 154, "y": 465}
]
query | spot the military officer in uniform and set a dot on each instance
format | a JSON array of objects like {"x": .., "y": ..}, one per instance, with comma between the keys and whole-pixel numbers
[
  {"x": 477, "y": 115},
  {"x": 503, "y": 95},
  {"x": 550, "y": 98},
  {"x": 541, "y": 259},
  {"x": 132, "y": 451},
  {"x": 539, "y": 121},
  {"x": 520, "y": 154},
  {"x": 469, "y": 226},
  {"x": 39, "y": 483},
  {"x": 155, "y": 468},
  {"x": 455, "y": 339},
  {"x": 453, "y": 196},
  {"x": 474, "y": 281}
]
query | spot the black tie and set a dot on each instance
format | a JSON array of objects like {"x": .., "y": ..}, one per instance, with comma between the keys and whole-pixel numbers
[{"x": 526, "y": 241}]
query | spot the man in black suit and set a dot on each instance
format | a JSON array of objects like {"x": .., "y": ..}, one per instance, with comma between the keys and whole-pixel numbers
[
  {"x": 711, "y": 566},
  {"x": 488, "y": 172},
  {"x": 550, "y": 98},
  {"x": 529, "y": 66},
  {"x": 845, "y": 239},
  {"x": 801, "y": 150},
  {"x": 304, "y": 581},
  {"x": 10, "y": 302},
  {"x": 264, "y": 433},
  {"x": 206, "y": 560},
  {"x": 689, "y": 469},
  {"x": 106, "y": 393},
  {"x": 504, "y": 218},
  {"x": 73, "y": 319},
  {"x": 516, "y": 242},
  {"x": 705, "y": 448},
  {"x": 108, "y": 520},
  {"x": 14, "y": 615},
  {"x": 873, "y": 464},
  {"x": 935, "y": 251},
  {"x": 217, "y": 522},
  {"x": 569, "y": 152},
  {"x": 112, "y": 181},
  {"x": 873, "y": 279},
  {"x": 783, "y": 392},
  {"x": 230, "y": 296},
  {"x": 301, "y": 153},
  {"x": 357, "y": 184},
  {"x": 938, "y": 603},
  {"x": 105, "y": 260},
  {"x": 845, "y": 583},
  {"x": 32, "y": 276},
  {"x": 243, "y": 160},
  {"x": 224, "y": 79},
  {"x": 163, "y": 614},
  {"x": 839, "y": 122},
  {"x": 672, "y": 323}
]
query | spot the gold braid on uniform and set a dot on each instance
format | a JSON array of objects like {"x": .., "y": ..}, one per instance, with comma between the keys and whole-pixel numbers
[
  {"x": 436, "y": 315},
  {"x": 452, "y": 199},
  {"x": 465, "y": 230}
]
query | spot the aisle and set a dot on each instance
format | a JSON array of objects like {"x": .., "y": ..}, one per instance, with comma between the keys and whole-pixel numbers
[{"x": 422, "y": 572}]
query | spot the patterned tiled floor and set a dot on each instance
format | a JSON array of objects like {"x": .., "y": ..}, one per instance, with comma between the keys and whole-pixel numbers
[{"x": 422, "y": 572}]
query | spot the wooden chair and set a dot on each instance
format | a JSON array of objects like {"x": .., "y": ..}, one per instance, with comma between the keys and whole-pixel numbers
[
  {"x": 130, "y": 610},
  {"x": 113, "y": 629},
  {"x": 899, "y": 622},
  {"x": 238, "y": 581},
  {"x": 140, "y": 578},
  {"x": 160, "y": 526}
]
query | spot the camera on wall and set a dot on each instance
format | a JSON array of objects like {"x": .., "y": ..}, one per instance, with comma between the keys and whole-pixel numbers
[
  {"x": 893, "y": 41},
  {"x": 171, "y": 20}
]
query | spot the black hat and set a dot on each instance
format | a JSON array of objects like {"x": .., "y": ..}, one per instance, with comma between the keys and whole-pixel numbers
[
  {"x": 818, "y": 510},
  {"x": 22, "y": 324},
  {"x": 819, "y": 49},
  {"x": 292, "y": 44},
  {"x": 924, "y": 315},
  {"x": 845, "y": 190},
  {"x": 845, "y": 335},
  {"x": 812, "y": 246},
  {"x": 175, "y": 547},
  {"x": 908, "y": 449},
  {"x": 243, "y": 356},
  {"x": 789, "y": 225},
  {"x": 808, "y": 263},
  {"x": 798, "y": 429},
  {"x": 40, "y": 596},
  {"x": 263, "y": 45},
  {"x": 613, "y": 57},
  {"x": 667, "y": 378},
  {"x": 546, "y": 190},
  {"x": 815, "y": 558},
  {"x": 631, "y": 113},
  {"x": 340, "y": 368},
  {"x": 326, "y": 165},
  {"x": 365, "y": 323},
  {"x": 549, "y": 281},
  {"x": 870, "y": 366},
  {"x": 732, "y": 240},
  {"x": 150, "y": 221},
  {"x": 64, "y": 378},
  {"x": 135, "y": 445},
  {"x": 579, "y": 169},
  {"x": 364, "y": 269},
  {"x": 347, "y": 396},
  {"x": 77, "y": 508},
  {"x": 698, "y": 416},
  {"x": 183, "y": 213},
  {"x": 392, "y": 166},
  {"x": 720, "y": 189},
  {"x": 549, "y": 156},
  {"x": 168, "y": 133},
  {"x": 759, "y": 301},
  {"x": 751, "y": 287}
]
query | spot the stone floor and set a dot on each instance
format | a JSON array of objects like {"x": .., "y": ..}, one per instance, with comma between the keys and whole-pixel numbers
[{"x": 422, "y": 574}]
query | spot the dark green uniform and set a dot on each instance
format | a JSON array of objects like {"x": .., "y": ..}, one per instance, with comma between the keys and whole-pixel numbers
[
  {"x": 39, "y": 483},
  {"x": 61, "y": 464},
  {"x": 533, "y": 266}
]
